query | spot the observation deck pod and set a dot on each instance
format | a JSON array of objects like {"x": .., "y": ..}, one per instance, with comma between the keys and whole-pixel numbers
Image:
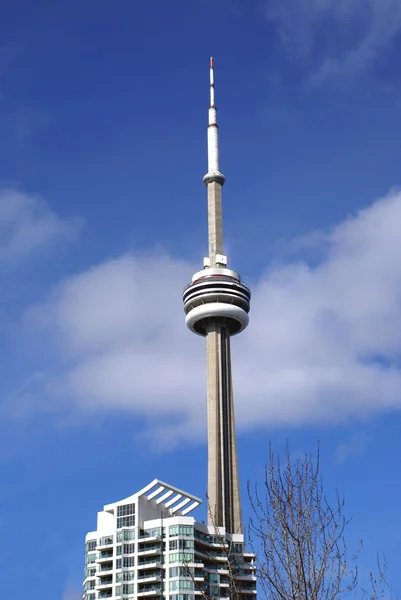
[{"x": 216, "y": 295}]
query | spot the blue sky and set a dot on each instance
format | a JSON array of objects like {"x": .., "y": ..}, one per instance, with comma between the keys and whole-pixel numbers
[{"x": 103, "y": 113}]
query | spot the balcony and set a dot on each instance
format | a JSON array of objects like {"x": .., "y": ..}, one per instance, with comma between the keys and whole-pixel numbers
[
  {"x": 149, "y": 564},
  {"x": 149, "y": 550},
  {"x": 104, "y": 542},
  {"x": 145, "y": 537},
  {"x": 211, "y": 556},
  {"x": 149, "y": 591},
  {"x": 150, "y": 577},
  {"x": 104, "y": 556},
  {"x": 102, "y": 585},
  {"x": 245, "y": 576},
  {"x": 105, "y": 568}
]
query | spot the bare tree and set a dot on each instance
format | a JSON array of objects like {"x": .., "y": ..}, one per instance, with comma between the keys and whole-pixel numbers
[{"x": 298, "y": 535}]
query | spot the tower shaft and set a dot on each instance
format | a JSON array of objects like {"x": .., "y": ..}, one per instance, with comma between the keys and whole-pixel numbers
[
  {"x": 223, "y": 482},
  {"x": 215, "y": 220}
]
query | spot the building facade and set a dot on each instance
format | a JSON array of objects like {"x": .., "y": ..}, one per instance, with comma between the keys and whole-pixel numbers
[{"x": 148, "y": 546}]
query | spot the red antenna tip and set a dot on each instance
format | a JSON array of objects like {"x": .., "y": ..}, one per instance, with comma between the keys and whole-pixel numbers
[{"x": 211, "y": 62}]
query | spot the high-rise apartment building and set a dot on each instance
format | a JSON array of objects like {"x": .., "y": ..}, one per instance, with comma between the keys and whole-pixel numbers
[{"x": 149, "y": 545}]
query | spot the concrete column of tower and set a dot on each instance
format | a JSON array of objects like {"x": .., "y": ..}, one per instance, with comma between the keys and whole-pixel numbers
[
  {"x": 215, "y": 220},
  {"x": 216, "y": 304},
  {"x": 223, "y": 483}
]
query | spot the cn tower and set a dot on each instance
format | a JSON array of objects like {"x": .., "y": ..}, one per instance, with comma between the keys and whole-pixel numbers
[{"x": 216, "y": 305}]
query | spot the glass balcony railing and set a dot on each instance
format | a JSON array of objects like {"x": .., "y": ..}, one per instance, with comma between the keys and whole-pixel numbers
[
  {"x": 104, "y": 584},
  {"x": 106, "y": 541},
  {"x": 146, "y": 589},
  {"x": 149, "y": 549},
  {"x": 104, "y": 555},
  {"x": 150, "y": 534}
]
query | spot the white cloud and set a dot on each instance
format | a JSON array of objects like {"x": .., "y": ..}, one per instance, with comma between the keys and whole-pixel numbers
[
  {"x": 27, "y": 224},
  {"x": 346, "y": 36},
  {"x": 323, "y": 343}
]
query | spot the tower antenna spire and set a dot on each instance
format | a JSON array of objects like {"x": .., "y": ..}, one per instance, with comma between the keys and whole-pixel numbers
[
  {"x": 213, "y": 173},
  {"x": 211, "y": 82},
  {"x": 214, "y": 179}
]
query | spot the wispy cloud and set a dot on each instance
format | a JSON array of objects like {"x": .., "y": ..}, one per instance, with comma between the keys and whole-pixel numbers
[
  {"x": 27, "y": 224},
  {"x": 341, "y": 38},
  {"x": 323, "y": 344},
  {"x": 353, "y": 447}
]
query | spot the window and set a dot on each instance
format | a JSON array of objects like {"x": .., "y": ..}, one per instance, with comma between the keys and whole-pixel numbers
[
  {"x": 91, "y": 571},
  {"x": 91, "y": 545},
  {"x": 125, "y": 576},
  {"x": 181, "y": 572},
  {"x": 155, "y": 532},
  {"x": 181, "y": 530},
  {"x": 90, "y": 596},
  {"x": 181, "y": 544},
  {"x": 126, "y": 536},
  {"x": 106, "y": 541},
  {"x": 91, "y": 558},
  {"x": 128, "y": 588},
  {"x": 128, "y": 548},
  {"x": 126, "y": 509},
  {"x": 129, "y": 561},
  {"x": 90, "y": 585},
  {"x": 118, "y": 563},
  {"x": 237, "y": 548},
  {"x": 181, "y": 557},
  {"x": 181, "y": 585},
  {"x": 125, "y": 521}
]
